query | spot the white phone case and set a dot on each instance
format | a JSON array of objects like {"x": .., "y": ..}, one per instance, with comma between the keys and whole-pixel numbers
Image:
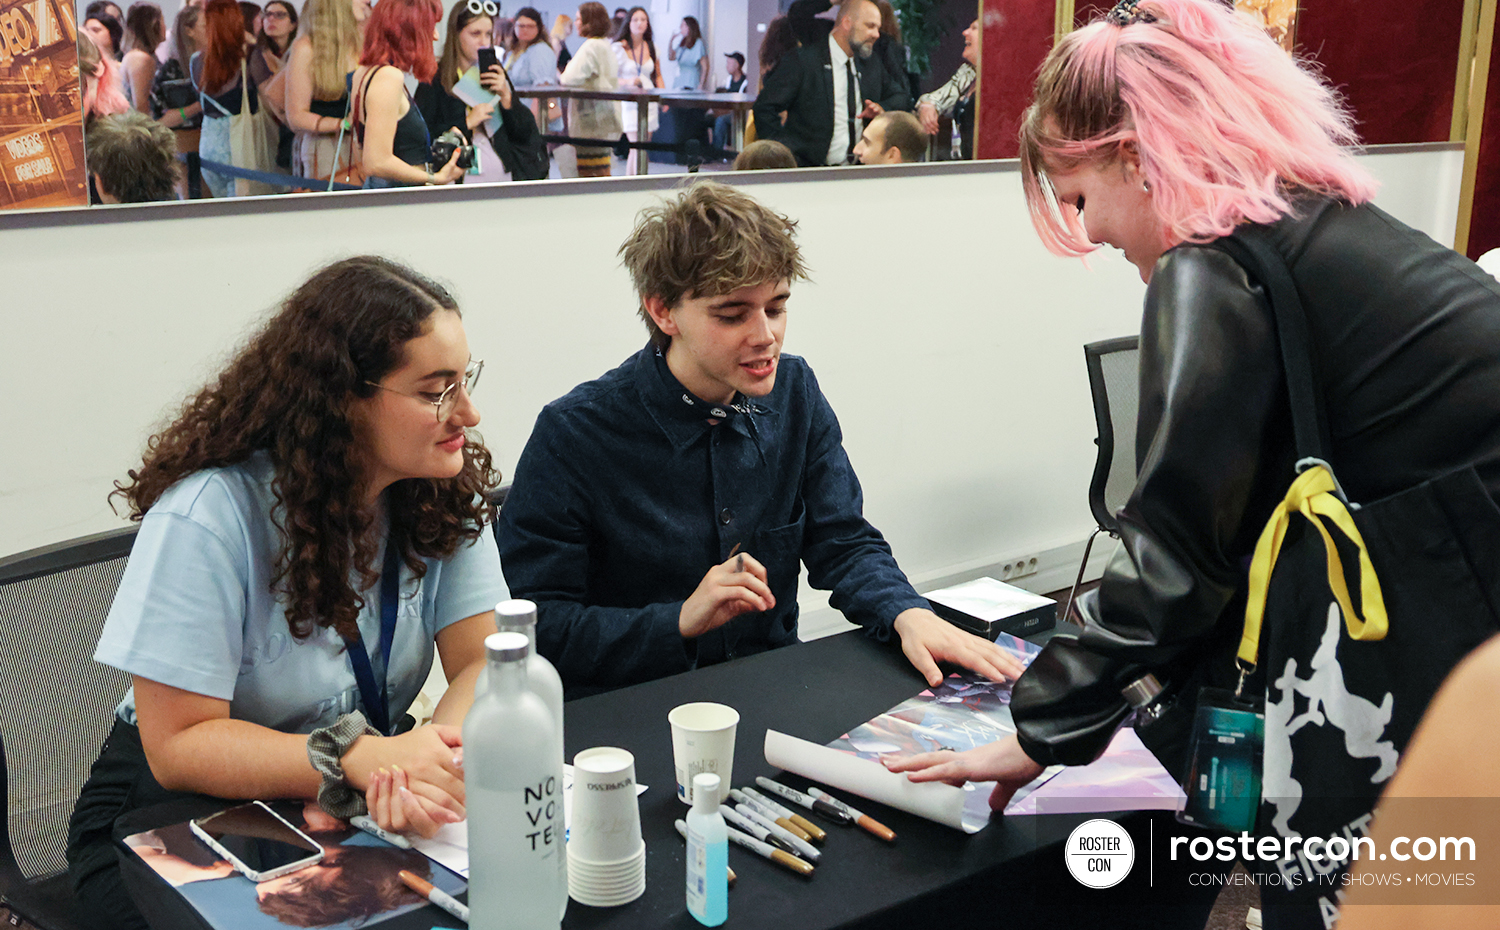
[{"x": 252, "y": 874}]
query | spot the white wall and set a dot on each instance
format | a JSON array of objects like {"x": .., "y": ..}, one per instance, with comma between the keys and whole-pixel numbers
[{"x": 944, "y": 335}]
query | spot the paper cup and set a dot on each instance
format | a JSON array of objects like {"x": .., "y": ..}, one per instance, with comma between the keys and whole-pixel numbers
[
  {"x": 606, "y": 825},
  {"x": 703, "y": 741}
]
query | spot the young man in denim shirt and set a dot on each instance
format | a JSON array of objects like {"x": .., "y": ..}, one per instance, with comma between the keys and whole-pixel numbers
[{"x": 659, "y": 514}]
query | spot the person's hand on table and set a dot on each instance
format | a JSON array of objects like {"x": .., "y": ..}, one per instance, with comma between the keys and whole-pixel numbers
[
  {"x": 928, "y": 639},
  {"x": 395, "y": 807},
  {"x": 411, "y": 781},
  {"x": 927, "y": 115},
  {"x": 1003, "y": 762},
  {"x": 738, "y": 586}
]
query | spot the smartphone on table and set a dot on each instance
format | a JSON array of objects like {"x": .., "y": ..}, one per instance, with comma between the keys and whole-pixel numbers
[{"x": 257, "y": 841}]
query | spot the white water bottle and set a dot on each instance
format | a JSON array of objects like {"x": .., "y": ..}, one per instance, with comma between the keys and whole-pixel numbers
[
  {"x": 513, "y": 779},
  {"x": 707, "y": 854},
  {"x": 519, "y": 616}
]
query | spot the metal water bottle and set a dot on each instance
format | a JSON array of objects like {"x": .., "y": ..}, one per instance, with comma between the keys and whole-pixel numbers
[{"x": 513, "y": 775}]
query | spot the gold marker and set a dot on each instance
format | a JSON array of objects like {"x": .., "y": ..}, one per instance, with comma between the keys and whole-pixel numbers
[
  {"x": 783, "y": 818},
  {"x": 435, "y": 894}
]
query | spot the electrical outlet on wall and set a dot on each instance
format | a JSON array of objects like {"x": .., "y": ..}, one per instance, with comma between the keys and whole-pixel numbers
[{"x": 1018, "y": 568}]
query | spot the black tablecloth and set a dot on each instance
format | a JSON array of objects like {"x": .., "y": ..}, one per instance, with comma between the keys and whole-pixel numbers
[{"x": 1009, "y": 875}]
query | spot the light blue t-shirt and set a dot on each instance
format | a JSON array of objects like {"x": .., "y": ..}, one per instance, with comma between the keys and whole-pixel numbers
[
  {"x": 687, "y": 65},
  {"x": 195, "y": 609}
]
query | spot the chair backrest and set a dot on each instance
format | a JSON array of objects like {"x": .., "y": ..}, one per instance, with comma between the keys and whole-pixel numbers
[
  {"x": 56, "y": 703},
  {"x": 1114, "y": 379}
]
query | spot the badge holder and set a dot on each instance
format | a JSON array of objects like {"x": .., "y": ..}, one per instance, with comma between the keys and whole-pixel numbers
[{"x": 1222, "y": 783}]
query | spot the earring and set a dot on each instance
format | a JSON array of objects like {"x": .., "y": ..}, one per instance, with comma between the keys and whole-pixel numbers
[{"x": 1145, "y": 185}]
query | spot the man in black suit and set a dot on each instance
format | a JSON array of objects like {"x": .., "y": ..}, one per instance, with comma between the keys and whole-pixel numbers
[{"x": 826, "y": 88}]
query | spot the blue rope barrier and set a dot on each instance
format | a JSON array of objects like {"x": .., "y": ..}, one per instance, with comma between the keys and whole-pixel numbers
[{"x": 276, "y": 180}]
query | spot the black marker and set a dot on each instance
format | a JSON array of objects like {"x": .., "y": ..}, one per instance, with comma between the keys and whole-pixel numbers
[{"x": 813, "y": 804}]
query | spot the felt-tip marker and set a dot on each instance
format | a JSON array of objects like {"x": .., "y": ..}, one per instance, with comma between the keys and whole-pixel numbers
[
  {"x": 870, "y": 824},
  {"x": 436, "y": 895},
  {"x": 783, "y": 818},
  {"x": 367, "y": 823},
  {"x": 779, "y": 836},
  {"x": 739, "y": 821},
  {"x": 813, "y": 804},
  {"x": 793, "y": 822}
]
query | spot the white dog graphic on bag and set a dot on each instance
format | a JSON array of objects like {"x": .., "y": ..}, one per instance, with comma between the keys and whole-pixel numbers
[{"x": 1329, "y": 701}]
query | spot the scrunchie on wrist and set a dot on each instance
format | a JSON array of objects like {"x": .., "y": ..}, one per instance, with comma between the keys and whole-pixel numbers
[{"x": 325, "y": 750}]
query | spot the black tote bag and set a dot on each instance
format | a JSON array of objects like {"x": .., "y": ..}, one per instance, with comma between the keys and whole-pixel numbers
[{"x": 1340, "y": 708}]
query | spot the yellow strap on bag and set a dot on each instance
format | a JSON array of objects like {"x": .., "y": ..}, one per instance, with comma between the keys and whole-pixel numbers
[{"x": 1312, "y": 495}]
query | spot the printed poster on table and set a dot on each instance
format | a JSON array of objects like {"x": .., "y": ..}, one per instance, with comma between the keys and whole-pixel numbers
[
  {"x": 41, "y": 129},
  {"x": 356, "y": 884}
]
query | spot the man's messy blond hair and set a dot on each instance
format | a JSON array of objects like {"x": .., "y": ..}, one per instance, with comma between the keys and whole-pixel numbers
[{"x": 710, "y": 240}]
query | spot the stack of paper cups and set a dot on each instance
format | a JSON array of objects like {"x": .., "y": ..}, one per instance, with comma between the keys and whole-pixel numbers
[{"x": 606, "y": 855}]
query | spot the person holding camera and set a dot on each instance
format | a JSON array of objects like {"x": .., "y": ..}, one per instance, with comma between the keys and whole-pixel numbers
[
  {"x": 466, "y": 47},
  {"x": 398, "y": 148}
]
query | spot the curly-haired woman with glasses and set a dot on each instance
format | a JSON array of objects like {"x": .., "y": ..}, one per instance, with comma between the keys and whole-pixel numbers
[{"x": 313, "y": 524}]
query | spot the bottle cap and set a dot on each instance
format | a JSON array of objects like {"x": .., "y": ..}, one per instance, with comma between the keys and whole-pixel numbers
[
  {"x": 516, "y": 612},
  {"x": 507, "y": 647},
  {"x": 1142, "y": 691},
  {"x": 706, "y": 792}
]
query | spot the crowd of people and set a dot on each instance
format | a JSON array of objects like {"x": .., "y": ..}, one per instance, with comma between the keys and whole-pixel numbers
[{"x": 324, "y": 94}]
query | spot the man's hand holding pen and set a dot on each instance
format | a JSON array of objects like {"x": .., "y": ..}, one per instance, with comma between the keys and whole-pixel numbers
[{"x": 739, "y": 585}]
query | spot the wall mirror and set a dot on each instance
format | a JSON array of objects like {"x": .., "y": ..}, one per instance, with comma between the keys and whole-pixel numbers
[{"x": 1407, "y": 70}]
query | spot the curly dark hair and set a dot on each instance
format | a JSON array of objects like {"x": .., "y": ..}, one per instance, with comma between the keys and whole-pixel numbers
[
  {"x": 351, "y": 885},
  {"x": 291, "y": 392}
]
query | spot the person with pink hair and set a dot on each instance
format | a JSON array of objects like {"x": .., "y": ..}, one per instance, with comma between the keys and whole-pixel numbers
[{"x": 1160, "y": 129}]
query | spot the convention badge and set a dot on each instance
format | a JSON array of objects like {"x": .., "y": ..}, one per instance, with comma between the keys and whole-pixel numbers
[{"x": 1223, "y": 777}]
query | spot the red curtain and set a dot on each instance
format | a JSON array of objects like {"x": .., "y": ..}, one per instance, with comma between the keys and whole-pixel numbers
[{"x": 1017, "y": 35}]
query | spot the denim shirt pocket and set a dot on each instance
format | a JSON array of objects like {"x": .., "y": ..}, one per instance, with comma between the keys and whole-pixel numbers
[{"x": 780, "y": 551}]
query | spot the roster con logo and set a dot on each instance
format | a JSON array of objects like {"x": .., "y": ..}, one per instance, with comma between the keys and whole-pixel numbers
[{"x": 1099, "y": 853}]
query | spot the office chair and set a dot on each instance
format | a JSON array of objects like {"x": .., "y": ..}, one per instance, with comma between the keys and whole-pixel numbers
[
  {"x": 1114, "y": 381},
  {"x": 56, "y": 707}
]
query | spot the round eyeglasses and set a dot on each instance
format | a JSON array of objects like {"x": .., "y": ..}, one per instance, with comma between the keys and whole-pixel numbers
[
  {"x": 447, "y": 400},
  {"x": 484, "y": 8}
]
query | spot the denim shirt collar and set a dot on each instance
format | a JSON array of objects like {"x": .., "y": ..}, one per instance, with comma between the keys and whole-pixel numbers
[{"x": 684, "y": 416}]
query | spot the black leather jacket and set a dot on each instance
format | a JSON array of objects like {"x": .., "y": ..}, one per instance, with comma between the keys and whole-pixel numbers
[{"x": 1407, "y": 337}]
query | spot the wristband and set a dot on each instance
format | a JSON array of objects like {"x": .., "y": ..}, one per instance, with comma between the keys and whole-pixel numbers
[
  {"x": 182, "y": 112},
  {"x": 430, "y": 178},
  {"x": 325, "y": 750}
]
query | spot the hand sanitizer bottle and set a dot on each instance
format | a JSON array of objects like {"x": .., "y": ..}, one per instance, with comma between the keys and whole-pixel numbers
[{"x": 707, "y": 854}]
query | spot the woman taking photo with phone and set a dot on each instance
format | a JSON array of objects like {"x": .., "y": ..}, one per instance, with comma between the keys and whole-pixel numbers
[
  {"x": 317, "y": 95},
  {"x": 470, "y": 24},
  {"x": 313, "y": 525},
  {"x": 388, "y": 125}
]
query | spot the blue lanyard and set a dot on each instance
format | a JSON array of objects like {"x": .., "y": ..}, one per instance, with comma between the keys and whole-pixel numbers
[{"x": 373, "y": 694}]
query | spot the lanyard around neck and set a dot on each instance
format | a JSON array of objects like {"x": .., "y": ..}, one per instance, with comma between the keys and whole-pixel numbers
[{"x": 370, "y": 691}]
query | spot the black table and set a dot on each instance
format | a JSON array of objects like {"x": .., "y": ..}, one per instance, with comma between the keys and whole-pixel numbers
[{"x": 1011, "y": 874}]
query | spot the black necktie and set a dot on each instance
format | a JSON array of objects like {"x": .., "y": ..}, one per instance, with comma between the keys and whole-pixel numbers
[{"x": 854, "y": 108}]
